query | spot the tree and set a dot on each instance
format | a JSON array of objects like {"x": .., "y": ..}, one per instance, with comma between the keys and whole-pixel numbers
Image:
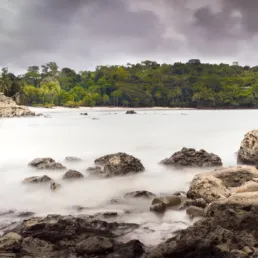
[
  {"x": 51, "y": 89},
  {"x": 5, "y": 82}
]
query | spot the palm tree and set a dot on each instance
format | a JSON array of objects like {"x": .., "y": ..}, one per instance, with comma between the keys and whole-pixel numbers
[{"x": 5, "y": 82}]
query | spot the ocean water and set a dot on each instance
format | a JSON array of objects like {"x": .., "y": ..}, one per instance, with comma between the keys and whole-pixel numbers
[{"x": 151, "y": 136}]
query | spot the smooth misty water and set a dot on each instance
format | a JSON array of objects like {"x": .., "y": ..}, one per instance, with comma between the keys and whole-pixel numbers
[{"x": 151, "y": 135}]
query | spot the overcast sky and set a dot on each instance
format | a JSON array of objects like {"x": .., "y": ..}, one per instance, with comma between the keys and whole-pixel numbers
[{"x": 84, "y": 33}]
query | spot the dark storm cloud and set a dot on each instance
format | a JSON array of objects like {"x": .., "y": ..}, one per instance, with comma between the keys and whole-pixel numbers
[{"x": 85, "y": 33}]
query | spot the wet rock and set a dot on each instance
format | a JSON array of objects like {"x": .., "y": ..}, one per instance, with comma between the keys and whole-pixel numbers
[
  {"x": 72, "y": 159},
  {"x": 84, "y": 114},
  {"x": 9, "y": 108},
  {"x": 194, "y": 212},
  {"x": 46, "y": 163},
  {"x": 197, "y": 202},
  {"x": 72, "y": 174},
  {"x": 248, "y": 152},
  {"x": 131, "y": 112},
  {"x": 54, "y": 186},
  {"x": 68, "y": 236},
  {"x": 37, "y": 179},
  {"x": 25, "y": 214},
  {"x": 160, "y": 204},
  {"x": 216, "y": 184},
  {"x": 94, "y": 245},
  {"x": 227, "y": 230},
  {"x": 188, "y": 157},
  {"x": 180, "y": 193},
  {"x": 119, "y": 164},
  {"x": 96, "y": 171},
  {"x": 140, "y": 194}
]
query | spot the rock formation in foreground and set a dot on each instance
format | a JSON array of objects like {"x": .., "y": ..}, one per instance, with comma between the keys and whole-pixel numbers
[
  {"x": 189, "y": 157},
  {"x": 9, "y": 108},
  {"x": 117, "y": 164},
  {"x": 46, "y": 163},
  {"x": 66, "y": 236},
  {"x": 248, "y": 152}
]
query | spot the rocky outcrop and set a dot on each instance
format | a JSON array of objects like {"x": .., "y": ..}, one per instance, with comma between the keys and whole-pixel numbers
[
  {"x": 218, "y": 183},
  {"x": 72, "y": 159},
  {"x": 248, "y": 152},
  {"x": 46, "y": 163},
  {"x": 72, "y": 174},
  {"x": 58, "y": 236},
  {"x": 140, "y": 194},
  {"x": 9, "y": 108},
  {"x": 188, "y": 157},
  {"x": 227, "y": 230},
  {"x": 131, "y": 112},
  {"x": 118, "y": 164},
  {"x": 37, "y": 179}
]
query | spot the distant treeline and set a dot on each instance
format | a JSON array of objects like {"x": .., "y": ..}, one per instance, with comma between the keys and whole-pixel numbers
[{"x": 144, "y": 84}]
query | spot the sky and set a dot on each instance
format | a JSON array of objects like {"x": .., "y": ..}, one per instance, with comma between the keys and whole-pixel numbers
[{"x": 82, "y": 34}]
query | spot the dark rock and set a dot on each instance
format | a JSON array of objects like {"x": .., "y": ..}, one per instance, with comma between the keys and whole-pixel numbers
[
  {"x": 72, "y": 159},
  {"x": 25, "y": 214},
  {"x": 73, "y": 174},
  {"x": 194, "y": 212},
  {"x": 84, "y": 114},
  {"x": 94, "y": 245},
  {"x": 96, "y": 171},
  {"x": 192, "y": 158},
  {"x": 140, "y": 194},
  {"x": 119, "y": 164},
  {"x": 46, "y": 163},
  {"x": 158, "y": 207},
  {"x": 67, "y": 236},
  {"x": 131, "y": 112},
  {"x": 37, "y": 179},
  {"x": 197, "y": 202}
]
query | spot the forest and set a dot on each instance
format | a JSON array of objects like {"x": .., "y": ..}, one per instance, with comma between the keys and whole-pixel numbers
[{"x": 146, "y": 84}]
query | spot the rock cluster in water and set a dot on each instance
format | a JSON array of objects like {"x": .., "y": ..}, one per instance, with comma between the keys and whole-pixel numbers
[
  {"x": 225, "y": 200},
  {"x": 9, "y": 108}
]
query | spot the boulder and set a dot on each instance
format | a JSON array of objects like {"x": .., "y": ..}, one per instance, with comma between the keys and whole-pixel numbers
[
  {"x": 227, "y": 230},
  {"x": 68, "y": 236},
  {"x": 194, "y": 212},
  {"x": 119, "y": 164},
  {"x": 46, "y": 163},
  {"x": 248, "y": 152},
  {"x": 140, "y": 194},
  {"x": 188, "y": 157},
  {"x": 165, "y": 202},
  {"x": 37, "y": 179},
  {"x": 219, "y": 183},
  {"x": 9, "y": 108},
  {"x": 131, "y": 112},
  {"x": 72, "y": 159},
  {"x": 73, "y": 174},
  {"x": 96, "y": 171}
]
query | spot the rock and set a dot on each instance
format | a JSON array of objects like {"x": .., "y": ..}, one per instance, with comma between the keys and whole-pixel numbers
[
  {"x": 54, "y": 186},
  {"x": 249, "y": 186},
  {"x": 94, "y": 245},
  {"x": 194, "y": 212},
  {"x": 24, "y": 214},
  {"x": 140, "y": 194},
  {"x": 227, "y": 230},
  {"x": 67, "y": 236},
  {"x": 46, "y": 163},
  {"x": 73, "y": 174},
  {"x": 72, "y": 159},
  {"x": 216, "y": 184},
  {"x": 95, "y": 118},
  {"x": 131, "y": 112},
  {"x": 119, "y": 164},
  {"x": 10, "y": 242},
  {"x": 84, "y": 114},
  {"x": 96, "y": 171},
  {"x": 37, "y": 179},
  {"x": 9, "y": 108},
  {"x": 164, "y": 202},
  {"x": 192, "y": 158},
  {"x": 197, "y": 202},
  {"x": 248, "y": 152}
]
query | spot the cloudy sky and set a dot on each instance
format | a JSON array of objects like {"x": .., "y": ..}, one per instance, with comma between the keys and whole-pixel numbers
[{"x": 84, "y": 33}]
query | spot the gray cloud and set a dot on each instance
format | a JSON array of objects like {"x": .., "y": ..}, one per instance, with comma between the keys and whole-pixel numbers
[{"x": 85, "y": 33}]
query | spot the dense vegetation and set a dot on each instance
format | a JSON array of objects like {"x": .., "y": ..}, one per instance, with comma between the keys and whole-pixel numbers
[{"x": 143, "y": 84}]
